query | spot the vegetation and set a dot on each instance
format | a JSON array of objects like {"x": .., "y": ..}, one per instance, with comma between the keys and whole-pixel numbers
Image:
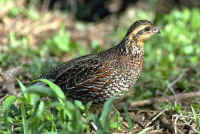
[{"x": 172, "y": 66}]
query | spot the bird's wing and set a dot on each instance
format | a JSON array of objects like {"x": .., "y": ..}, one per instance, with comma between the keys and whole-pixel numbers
[{"x": 80, "y": 73}]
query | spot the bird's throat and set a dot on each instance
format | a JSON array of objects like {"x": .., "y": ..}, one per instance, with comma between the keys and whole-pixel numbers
[{"x": 140, "y": 43}]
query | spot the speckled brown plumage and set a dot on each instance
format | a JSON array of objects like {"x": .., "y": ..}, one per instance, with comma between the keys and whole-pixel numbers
[{"x": 97, "y": 77}]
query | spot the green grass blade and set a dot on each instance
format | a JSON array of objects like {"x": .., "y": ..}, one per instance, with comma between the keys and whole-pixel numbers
[
  {"x": 40, "y": 90},
  {"x": 196, "y": 118},
  {"x": 24, "y": 121},
  {"x": 107, "y": 108},
  {"x": 128, "y": 119},
  {"x": 23, "y": 88},
  {"x": 8, "y": 102},
  {"x": 56, "y": 89}
]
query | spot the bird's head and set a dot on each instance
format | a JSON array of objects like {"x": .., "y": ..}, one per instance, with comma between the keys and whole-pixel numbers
[{"x": 141, "y": 30}]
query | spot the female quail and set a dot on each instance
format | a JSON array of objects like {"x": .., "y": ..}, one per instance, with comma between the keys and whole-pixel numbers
[{"x": 97, "y": 77}]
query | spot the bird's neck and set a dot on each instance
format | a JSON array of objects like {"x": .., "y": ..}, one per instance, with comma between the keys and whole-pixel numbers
[
  {"x": 127, "y": 47},
  {"x": 132, "y": 47}
]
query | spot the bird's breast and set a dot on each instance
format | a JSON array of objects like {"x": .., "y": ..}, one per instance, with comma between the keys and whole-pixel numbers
[{"x": 124, "y": 76}]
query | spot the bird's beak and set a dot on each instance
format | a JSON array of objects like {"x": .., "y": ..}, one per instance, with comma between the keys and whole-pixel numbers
[{"x": 156, "y": 30}]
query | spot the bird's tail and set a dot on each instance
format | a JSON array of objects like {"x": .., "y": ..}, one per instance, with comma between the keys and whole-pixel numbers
[{"x": 39, "y": 84}]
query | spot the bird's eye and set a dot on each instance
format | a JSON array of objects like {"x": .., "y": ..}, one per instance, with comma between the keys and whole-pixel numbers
[{"x": 147, "y": 29}]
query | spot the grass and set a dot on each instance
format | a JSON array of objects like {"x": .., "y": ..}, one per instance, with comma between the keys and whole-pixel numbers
[{"x": 31, "y": 113}]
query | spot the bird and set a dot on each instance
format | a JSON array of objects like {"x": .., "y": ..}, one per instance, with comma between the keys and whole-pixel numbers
[{"x": 110, "y": 73}]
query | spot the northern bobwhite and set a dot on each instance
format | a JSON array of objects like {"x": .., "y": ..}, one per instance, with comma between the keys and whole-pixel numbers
[{"x": 97, "y": 77}]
